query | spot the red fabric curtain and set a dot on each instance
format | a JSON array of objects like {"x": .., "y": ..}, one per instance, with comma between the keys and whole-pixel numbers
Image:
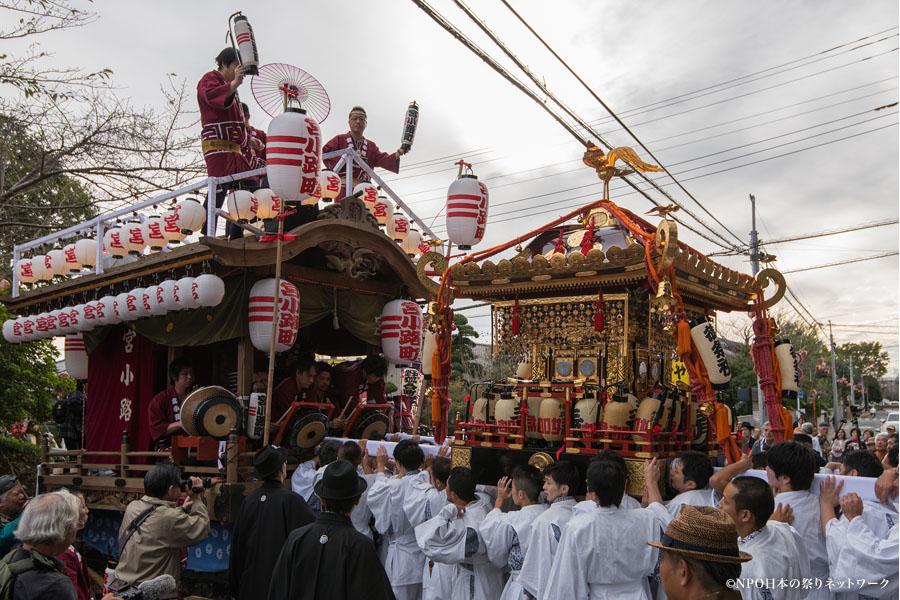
[{"x": 120, "y": 376}]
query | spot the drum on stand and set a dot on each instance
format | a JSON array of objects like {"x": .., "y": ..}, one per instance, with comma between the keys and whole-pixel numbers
[
  {"x": 371, "y": 425},
  {"x": 212, "y": 411},
  {"x": 309, "y": 429}
]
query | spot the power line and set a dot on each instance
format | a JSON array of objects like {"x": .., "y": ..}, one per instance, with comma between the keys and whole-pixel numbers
[
  {"x": 843, "y": 262},
  {"x": 818, "y": 234}
]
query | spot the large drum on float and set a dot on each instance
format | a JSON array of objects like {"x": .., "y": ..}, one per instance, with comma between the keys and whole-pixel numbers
[
  {"x": 308, "y": 430},
  {"x": 370, "y": 426},
  {"x": 211, "y": 411},
  {"x": 553, "y": 419}
]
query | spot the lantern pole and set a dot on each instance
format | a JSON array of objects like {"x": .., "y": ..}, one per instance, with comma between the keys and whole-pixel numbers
[{"x": 271, "y": 377}]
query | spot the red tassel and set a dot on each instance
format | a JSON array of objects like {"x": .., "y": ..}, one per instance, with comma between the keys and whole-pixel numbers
[
  {"x": 587, "y": 242},
  {"x": 559, "y": 245},
  {"x": 598, "y": 313},
  {"x": 516, "y": 320}
]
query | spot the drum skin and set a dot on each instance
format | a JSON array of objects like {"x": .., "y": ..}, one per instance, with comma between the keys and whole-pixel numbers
[
  {"x": 212, "y": 411},
  {"x": 373, "y": 423},
  {"x": 309, "y": 429}
]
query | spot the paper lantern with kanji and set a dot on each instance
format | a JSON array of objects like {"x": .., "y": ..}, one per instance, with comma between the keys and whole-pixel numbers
[
  {"x": 134, "y": 304},
  {"x": 107, "y": 307},
  {"x": 171, "y": 228},
  {"x": 239, "y": 205},
  {"x": 112, "y": 242},
  {"x": 12, "y": 331},
  {"x": 93, "y": 314},
  {"x": 190, "y": 215},
  {"x": 787, "y": 366},
  {"x": 398, "y": 228},
  {"x": 55, "y": 260},
  {"x": 331, "y": 185},
  {"x": 76, "y": 318},
  {"x": 44, "y": 329},
  {"x": 711, "y": 353},
  {"x": 154, "y": 233},
  {"x": 467, "y": 206},
  {"x": 29, "y": 332},
  {"x": 184, "y": 294},
  {"x": 293, "y": 155},
  {"x": 133, "y": 237},
  {"x": 168, "y": 291},
  {"x": 429, "y": 345},
  {"x": 86, "y": 252},
  {"x": 25, "y": 271},
  {"x": 156, "y": 300},
  {"x": 411, "y": 242},
  {"x": 76, "y": 357},
  {"x": 72, "y": 262},
  {"x": 383, "y": 210},
  {"x": 62, "y": 321},
  {"x": 208, "y": 290},
  {"x": 267, "y": 204},
  {"x": 369, "y": 194},
  {"x": 41, "y": 271},
  {"x": 401, "y": 331},
  {"x": 126, "y": 306},
  {"x": 262, "y": 299},
  {"x": 147, "y": 301}
]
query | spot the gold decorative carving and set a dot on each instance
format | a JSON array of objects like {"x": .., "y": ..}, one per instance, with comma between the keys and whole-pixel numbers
[
  {"x": 438, "y": 264},
  {"x": 350, "y": 208},
  {"x": 461, "y": 456},
  {"x": 766, "y": 276},
  {"x": 540, "y": 460},
  {"x": 667, "y": 244},
  {"x": 634, "y": 480},
  {"x": 356, "y": 263}
]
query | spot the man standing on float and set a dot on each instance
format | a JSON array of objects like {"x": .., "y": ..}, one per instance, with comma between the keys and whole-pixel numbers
[
  {"x": 365, "y": 148},
  {"x": 224, "y": 136}
]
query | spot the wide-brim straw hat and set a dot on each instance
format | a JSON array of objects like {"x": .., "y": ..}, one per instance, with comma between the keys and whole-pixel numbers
[{"x": 703, "y": 533}]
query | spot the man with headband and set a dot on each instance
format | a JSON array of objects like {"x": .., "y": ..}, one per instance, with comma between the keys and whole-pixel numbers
[{"x": 365, "y": 148}]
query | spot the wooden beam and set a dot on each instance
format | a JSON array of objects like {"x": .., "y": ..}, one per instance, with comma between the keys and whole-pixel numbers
[{"x": 244, "y": 366}]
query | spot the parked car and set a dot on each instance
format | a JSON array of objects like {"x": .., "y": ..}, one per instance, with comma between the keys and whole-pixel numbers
[{"x": 893, "y": 419}]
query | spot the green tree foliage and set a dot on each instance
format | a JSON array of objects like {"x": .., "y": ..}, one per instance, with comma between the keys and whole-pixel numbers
[
  {"x": 29, "y": 379},
  {"x": 462, "y": 350}
]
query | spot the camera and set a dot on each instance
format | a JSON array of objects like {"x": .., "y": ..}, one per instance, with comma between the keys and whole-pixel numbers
[{"x": 186, "y": 485}]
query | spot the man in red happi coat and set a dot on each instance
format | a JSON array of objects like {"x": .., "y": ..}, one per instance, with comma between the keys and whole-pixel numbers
[
  {"x": 365, "y": 148},
  {"x": 164, "y": 410},
  {"x": 223, "y": 137},
  {"x": 256, "y": 158}
]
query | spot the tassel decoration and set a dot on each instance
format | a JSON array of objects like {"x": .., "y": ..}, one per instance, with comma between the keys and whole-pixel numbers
[
  {"x": 599, "y": 318},
  {"x": 516, "y": 319}
]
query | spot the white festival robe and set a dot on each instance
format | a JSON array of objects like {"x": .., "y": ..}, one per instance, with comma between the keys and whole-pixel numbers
[
  {"x": 586, "y": 506},
  {"x": 507, "y": 537},
  {"x": 778, "y": 552},
  {"x": 421, "y": 503},
  {"x": 603, "y": 555},
  {"x": 808, "y": 524},
  {"x": 856, "y": 554},
  {"x": 455, "y": 541},
  {"x": 705, "y": 497},
  {"x": 546, "y": 532}
]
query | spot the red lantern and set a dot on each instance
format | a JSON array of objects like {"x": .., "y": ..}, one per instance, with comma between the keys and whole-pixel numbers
[
  {"x": 76, "y": 357},
  {"x": 467, "y": 206},
  {"x": 293, "y": 155},
  {"x": 401, "y": 331},
  {"x": 262, "y": 299}
]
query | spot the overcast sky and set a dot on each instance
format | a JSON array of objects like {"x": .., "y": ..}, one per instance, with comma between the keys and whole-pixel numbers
[{"x": 797, "y": 81}]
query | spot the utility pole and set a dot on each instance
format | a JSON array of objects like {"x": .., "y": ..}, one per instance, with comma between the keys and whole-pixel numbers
[
  {"x": 754, "y": 266},
  {"x": 838, "y": 413},
  {"x": 852, "y": 384}
]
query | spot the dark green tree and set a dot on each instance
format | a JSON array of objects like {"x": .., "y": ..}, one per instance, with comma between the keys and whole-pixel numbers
[{"x": 462, "y": 349}]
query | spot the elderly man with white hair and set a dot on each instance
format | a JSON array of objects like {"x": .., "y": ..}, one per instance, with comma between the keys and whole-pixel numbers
[{"x": 47, "y": 527}]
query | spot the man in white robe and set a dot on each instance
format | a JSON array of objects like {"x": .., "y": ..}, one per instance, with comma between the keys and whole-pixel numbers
[
  {"x": 560, "y": 482},
  {"x": 507, "y": 535},
  {"x": 603, "y": 555},
  {"x": 421, "y": 503},
  {"x": 403, "y": 560},
  {"x": 689, "y": 475},
  {"x": 777, "y": 549},
  {"x": 452, "y": 538},
  {"x": 880, "y": 518}
]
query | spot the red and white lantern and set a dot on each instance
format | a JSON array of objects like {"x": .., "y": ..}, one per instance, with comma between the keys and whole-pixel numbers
[
  {"x": 134, "y": 305},
  {"x": 398, "y": 228},
  {"x": 239, "y": 205},
  {"x": 331, "y": 185},
  {"x": 25, "y": 270},
  {"x": 112, "y": 243},
  {"x": 86, "y": 252},
  {"x": 266, "y": 205},
  {"x": 369, "y": 194},
  {"x": 184, "y": 294},
  {"x": 62, "y": 320},
  {"x": 411, "y": 243},
  {"x": 467, "y": 206},
  {"x": 125, "y": 310},
  {"x": 146, "y": 301},
  {"x": 43, "y": 326},
  {"x": 171, "y": 228},
  {"x": 156, "y": 301},
  {"x": 166, "y": 295},
  {"x": 190, "y": 215},
  {"x": 93, "y": 314},
  {"x": 72, "y": 262},
  {"x": 12, "y": 331},
  {"x": 401, "y": 331},
  {"x": 55, "y": 261},
  {"x": 262, "y": 299},
  {"x": 293, "y": 155},
  {"x": 154, "y": 233},
  {"x": 76, "y": 357},
  {"x": 133, "y": 237},
  {"x": 246, "y": 44},
  {"x": 107, "y": 307},
  {"x": 208, "y": 290},
  {"x": 4, "y": 285},
  {"x": 29, "y": 332},
  {"x": 383, "y": 210},
  {"x": 41, "y": 271}
]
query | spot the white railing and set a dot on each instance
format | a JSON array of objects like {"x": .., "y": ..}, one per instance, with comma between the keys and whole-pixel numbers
[{"x": 348, "y": 158}]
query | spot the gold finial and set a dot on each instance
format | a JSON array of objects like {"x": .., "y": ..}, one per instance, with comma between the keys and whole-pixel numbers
[
  {"x": 605, "y": 164},
  {"x": 663, "y": 211}
]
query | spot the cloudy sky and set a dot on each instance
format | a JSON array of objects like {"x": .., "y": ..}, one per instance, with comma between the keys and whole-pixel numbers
[{"x": 768, "y": 98}]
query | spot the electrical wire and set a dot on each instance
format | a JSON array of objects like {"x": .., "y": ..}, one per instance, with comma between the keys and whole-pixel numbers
[
  {"x": 818, "y": 234},
  {"x": 843, "y": 262}
]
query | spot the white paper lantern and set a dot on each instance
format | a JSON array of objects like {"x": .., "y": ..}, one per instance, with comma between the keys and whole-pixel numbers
[
  {"x": 155, "y": 301},
  {"x": 83, "y": 324},
  {"x": 55, "y": 260},
  {"x": 25, "y": 270},
  {"x": 266, "y": 205},
  {"x": 134, "y": 305},
  {"x": 429, "y": 345},
  {"x": 185, "y": 294},
  {"x": 72, "y": 262},
  {"x": 208, "y": 290},
  {"x": 12, "y": 331},
  {"x": 86, "y": 252},
  {"x": 171, "y": 228},
  {"x": 112, "y": 242},
  {"x": 383, "y": 210},
  {"x": 410, "y": 243},
  {"x": 369, "y": 194},
  {"x": 239, "y": 205},
  {"x": 787, "y": 366},
  {"x": 29, "y": 332},
  {"x": 293, "y": 155},
  {"x": 168, "y": 292},
  {"x": 154, "y": 233},
  {"x": 93, "y": 314},
  {"x": 190, "y": 215},
  {"x": 331, "y": 185},
  {"x": 711, "y": 353},
  {"x": 313, "y": 199},
  {"x": 4, "y": 285},
  {"x": 398, "y": 228},
  {"x": 401, "y": 332},
  {"x": 262, "y": 297},
  {"x": 133, "y": 237},
  {"x": 44, "y": 326},
  {"x": 62, "y": 320},
  {"x": 467, "y": 206},
  {"x": 127, "y": 306},
  {"x": 107, "y": 306},
  {"x": 39, "y": 265},
  {"x": 147, "y": 302},
  {"x": 76, "y": 357}
]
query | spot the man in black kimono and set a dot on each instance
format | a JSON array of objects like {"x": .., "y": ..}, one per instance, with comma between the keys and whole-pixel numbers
[
  {"x": 264, "y": 521},
  {"x": 329, "y": 559}
]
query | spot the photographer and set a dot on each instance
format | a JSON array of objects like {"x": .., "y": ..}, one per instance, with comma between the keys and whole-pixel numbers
[{"x": 154, "y": 529}]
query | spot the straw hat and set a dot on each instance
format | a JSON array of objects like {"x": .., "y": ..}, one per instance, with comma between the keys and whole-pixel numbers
[{"x": 703, "y": 533}]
